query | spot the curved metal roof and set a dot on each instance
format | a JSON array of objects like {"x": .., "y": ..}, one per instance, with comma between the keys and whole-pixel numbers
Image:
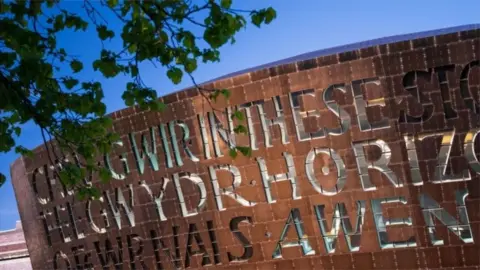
[{"x": 354, "y": 46}]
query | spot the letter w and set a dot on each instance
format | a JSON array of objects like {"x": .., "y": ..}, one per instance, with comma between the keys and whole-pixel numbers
[
  {"x": 110, "y": 254},
  {"x": 341, "y": 220}
]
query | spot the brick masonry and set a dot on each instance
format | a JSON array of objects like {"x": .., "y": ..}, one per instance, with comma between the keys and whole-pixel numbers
[
  {"x": 389, "y": 63},
  {"x": 13, "y": 249}
]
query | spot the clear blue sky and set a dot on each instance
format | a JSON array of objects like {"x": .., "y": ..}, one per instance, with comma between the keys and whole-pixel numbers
[{"x": 301, "y": 26}]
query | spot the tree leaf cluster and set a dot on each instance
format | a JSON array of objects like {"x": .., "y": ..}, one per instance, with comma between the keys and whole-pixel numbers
[{"x": 174, "y": 34}]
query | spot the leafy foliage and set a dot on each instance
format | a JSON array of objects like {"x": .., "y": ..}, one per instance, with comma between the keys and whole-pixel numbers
[{"x": 167, "y": 33}]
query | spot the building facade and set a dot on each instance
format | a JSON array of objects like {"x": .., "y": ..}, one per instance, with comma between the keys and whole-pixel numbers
[
  {"x": 13, "y": 249},
  {"x": 363, "y": 156}
]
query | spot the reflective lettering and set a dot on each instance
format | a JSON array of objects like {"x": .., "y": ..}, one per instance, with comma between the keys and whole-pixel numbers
[
  {"x": 58, "y": 165},
  {"x": 159, "y": 245},
  {"x": 381, "y": 224},
  {"x": 267, "y": 179},
  {"x": 121, "y": 202},
  {"x": 185, "y": 140},
  {"x": 103, "y": 213},
  {"x": 195, "y": 179},
  {"x": 151, "y": 154},
  {"x": 333, "y": 106},
  {"x": 123, "y": 159},
  {"x": 65, "y": 223},
  {"x": 194, "y": 234},
  {"x": 59, "y": 255},
  {"x": 443, "y": 157},
  {"x": 445, "y": 91},
  {"x": 213, "y": 240},
  {"x": 217, "y": 128},
  {"x": 299, "y": 115},
  {"x": 166, "y": 146},
  {"x": 85, "y": 263},
  {"x": 39, "y": 173},
  {"x": 410, "y": 84},
  {"x": 310, "y": 169},
  {"x": 60, "y": 223},
  {"x": 432, "y": 209},
  {"x": 469, "y": 149},
  {"x": 110, "y": 255},
  {"x": 228, "y": 191},
  {"x": 157, "y": 199},
  {"x": 251, "y": 128},
  {"x": 340, "y": 221},
  {"x": 465, "y": 89},
  {"x": 135, "y": 255},
  {"x": 294, "y": 220},
  {"x": 73, "y": 222},
  {"x": 45, "y": 216},
  {"x": 361, "y": 104},
  {"x": 247, "y": 246},
  {"x": 204, "y": 136},
  {"x": 279, "y": 120},
  {"x": 413, "y": 160},
  {"x": 380, "y": 165}
]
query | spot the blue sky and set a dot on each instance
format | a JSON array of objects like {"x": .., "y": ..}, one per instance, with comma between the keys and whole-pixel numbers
[{"x": 301, "y": 26}]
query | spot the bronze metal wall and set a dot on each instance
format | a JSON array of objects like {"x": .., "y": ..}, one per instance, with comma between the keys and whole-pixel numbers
[{"x": 363, "y": 159}]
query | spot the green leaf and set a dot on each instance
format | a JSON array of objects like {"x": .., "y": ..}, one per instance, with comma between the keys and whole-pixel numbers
[
  {"x": 189, "y": 40},
  {"x": 257, "y": 19},
  {"x": 82, "y": 193},
  {"x": 76, "y": 114},
  {"x": 232, "y": 153},
  {"x": 134, "y": 70},
  {"x": 238, "y": 115},
  {"x": 214, "y": 95},
  {"x": 226, "y": 93},
  {"x": 129, "y": 98},
  {"x": 105, "y": 175},
  {"x": 104, "y": 33},
  {"x": 94, "y": 193},
  {"x": 210, "y": 55},
  {"x": 270, "y": 14},
  {"x": 226, "y": 3},
  {"x": 107, "y": 66},
  {"x": 240, "y": 129},
  {"x": 190, "y": 65},
  {"x": 23, "y": 151},
  {"x": 112, "y": 3},
  {"x": 76, "y": 66},
  {"x": 87, "y": 192},
  {"x": 70, "y": 83},
  {"x": 76, "y": 22},
  {"x": 65, "y": 178},
  {"x": 58, "y": 23},
  {"x": 132, "y": 48},
  {"x": 175, "y": 75},
  {"x": 157, "y": 106},
  {"x": 3, "y": 179},
  {"x": 246, "y": 151},
  {"x": 50, "y": 3},
  {"x": 8, "y": 59}
]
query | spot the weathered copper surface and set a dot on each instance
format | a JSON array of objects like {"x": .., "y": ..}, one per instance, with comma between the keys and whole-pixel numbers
[{"x": 381, "y": 140}]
